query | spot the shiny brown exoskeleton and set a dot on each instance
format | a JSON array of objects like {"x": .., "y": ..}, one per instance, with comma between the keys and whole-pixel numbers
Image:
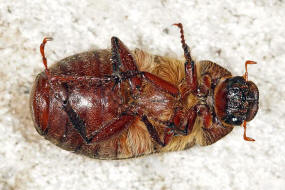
[{"x": 114, "y": 104}]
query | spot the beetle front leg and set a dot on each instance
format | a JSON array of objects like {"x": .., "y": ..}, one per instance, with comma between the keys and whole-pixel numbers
[
  {"x": 204, "y": 86},
  {"x": 204, "y": 112},
  {"x": 190, "y": 67}
]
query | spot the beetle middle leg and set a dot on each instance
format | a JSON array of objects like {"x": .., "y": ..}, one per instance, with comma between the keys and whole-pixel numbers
[
  {"x": 181, "y": 126},
  {"x": 172, "y": 128},
  {"x": 199, "y": 110},
  {"x": 152, "y": 131}
]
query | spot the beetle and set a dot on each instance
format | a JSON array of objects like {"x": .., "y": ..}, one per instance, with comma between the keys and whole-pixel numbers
[{"x": 116, "y": 103}]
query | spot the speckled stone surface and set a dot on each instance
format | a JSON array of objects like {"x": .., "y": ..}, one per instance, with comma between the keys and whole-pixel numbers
[{"x": 225, "y": 31}]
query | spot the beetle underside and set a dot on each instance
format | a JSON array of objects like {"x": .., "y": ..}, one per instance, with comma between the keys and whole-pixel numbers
[{"x": 113, "y": 104}]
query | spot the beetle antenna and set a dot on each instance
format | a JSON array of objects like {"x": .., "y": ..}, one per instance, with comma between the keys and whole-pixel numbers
[
  {"x": 245, "y": 76},
  {"x": 244, "y": 133},
  {"x": 42, "y": 49},
  {"x": 184, "y": 45}
]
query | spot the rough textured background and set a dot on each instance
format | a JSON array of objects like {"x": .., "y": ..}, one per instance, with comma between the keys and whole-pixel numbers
[{"x": 225, "y": 32}]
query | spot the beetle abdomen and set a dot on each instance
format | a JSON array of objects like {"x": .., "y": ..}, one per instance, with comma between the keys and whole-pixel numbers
[{"x": 87, "y": 104}]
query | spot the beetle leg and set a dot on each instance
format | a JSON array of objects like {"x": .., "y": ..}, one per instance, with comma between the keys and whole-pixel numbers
[
  {"x": 103, "y": 133},
  {"x": 204, "y": 86},
  {"x": 168, "y": 134},
  {"x": 42, "y": 50},
  {"x": 246, "y": 138},
  {"x": 123, "y": 60},
  {"x": 212, "y": 129},
  {"x": 245, "y": 76},
  {"x": 152, "y": 131},
  {"x": 204, "y": 112},
  {"x": 198, "y": 110},
  {"x": 190, "y": 68},
  {"x": 170, "y": 130},
  {"x": 161, "y": 84},
  {"x": 191, "y": 119},
  {"x": 76, "y": 121},
  {"x": 188, "y": 127},
  {"x": 178, "y": 131},
  {"x": 121, "y": 56}
]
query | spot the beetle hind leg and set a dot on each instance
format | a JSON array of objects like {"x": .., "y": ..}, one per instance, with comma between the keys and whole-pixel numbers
[
  {"x": 102, "y": 133},
  {"x": 42, "y": 50},
  {"x": 124, "y": 64},
  {"x": 77, "y": 123}
]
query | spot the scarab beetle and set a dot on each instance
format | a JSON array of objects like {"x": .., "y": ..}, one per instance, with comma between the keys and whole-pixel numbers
[{"x": 115, "y": 104}]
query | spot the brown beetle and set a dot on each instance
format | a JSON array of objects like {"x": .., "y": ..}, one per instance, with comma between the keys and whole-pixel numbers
[{"x": 115, "y": 104}]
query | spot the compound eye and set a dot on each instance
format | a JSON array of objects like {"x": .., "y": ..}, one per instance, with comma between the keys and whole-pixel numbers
[{"x": 236, "y": 121}]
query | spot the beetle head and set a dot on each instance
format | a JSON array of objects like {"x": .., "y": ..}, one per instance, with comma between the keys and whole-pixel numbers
[{"x": 236, "y": 100}]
